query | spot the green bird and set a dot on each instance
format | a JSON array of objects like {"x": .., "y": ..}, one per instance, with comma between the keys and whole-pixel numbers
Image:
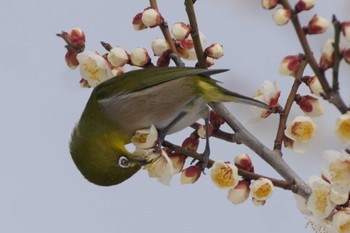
[{"x": 170, "y": 98}]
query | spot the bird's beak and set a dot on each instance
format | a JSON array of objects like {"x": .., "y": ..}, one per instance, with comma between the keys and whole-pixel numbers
[{"x": 142, "y": 161}]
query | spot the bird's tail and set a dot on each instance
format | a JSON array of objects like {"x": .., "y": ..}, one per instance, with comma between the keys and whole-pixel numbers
[{"x": 215, "y": 93}]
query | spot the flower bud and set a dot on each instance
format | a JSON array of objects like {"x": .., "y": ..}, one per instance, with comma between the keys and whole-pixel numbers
[
  {"x": 239, "y": 193},
  {"x": 346, "y": 55},
  {"x": 311, "y": 106},
  {"x": 327, "y": 56},
  {"x": 290, "y": 65},
  {"x": 145, "y": 138},
  {"x": 71, "y": 59},
  {"x": 257, "y": 202},
  {"x": 210, "y": 61},
  {"x": 341, "y": 221},
  {"x": 77, "y": 37},
  {"x": 345, "y": 28},
  {"x": 139, "y": 57},
  {"x": 191, "y": 174},
  {"x": 317, "y": 25},
  {"x": 261, "y": 189},
  {"x": 215, "y": 51},
  {"x": 215, "y": 119},
  {"x": 191, "y": 142},
  {"x": 151, "y": 18},
  {"x": 180, "y": 31},
  {"x": 186, "y": 49},
  {"x": 178, "y": 161},
  {"x": 315, "y": 86},
  {"x": 304, "y": 5},
  {"x": 137, "y": 22},
  {"x": 202, "y": 131},
  {"x": 224, "y": 175},
  {"x": 163, "y": 61},
  {"x": 269, "y": 4},
  {"x": 244, "y": 162},
  {"x": 338, "y": 198},
  {"x": 343, "y": 128},
  {"x": 84, "y": 84},
  {"x": 159, "y": 47},
  {"x": 118, "y": 57},
  {"x": 281, "y": 16}
]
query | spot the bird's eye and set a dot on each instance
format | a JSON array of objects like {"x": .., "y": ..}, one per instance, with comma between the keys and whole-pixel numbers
[{"x": 123, "y": 162}]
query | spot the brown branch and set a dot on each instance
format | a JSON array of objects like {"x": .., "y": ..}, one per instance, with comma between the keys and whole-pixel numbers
[
  {"x": 246, "y": 174},
  {"x": 337, "y": 55},
  {"x": 195, "y": 34},
  {"x": 331, "y": 95},
  {"x": 164, "y": 28},
  {"x": 218, "y": 133},
  {"x": 288, "y": 106}
]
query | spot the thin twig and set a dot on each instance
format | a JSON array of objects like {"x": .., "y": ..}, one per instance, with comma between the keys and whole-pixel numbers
[
  {"x": 246, "y": 174},
  {"x": 289, "y": 103},
  {"x": 337, "y": 55},
  {"x": 195, "y": 34}
]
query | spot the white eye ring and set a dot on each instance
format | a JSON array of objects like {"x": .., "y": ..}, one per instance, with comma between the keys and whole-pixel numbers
[{"x": 123, "y": 162}]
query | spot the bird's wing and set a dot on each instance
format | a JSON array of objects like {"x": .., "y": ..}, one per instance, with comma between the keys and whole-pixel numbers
[{"x": 141, "y": 79}]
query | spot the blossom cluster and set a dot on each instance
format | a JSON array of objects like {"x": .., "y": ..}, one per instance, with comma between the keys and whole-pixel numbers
[
  {"x": 328, "y": 206},
  {"x": 225, "y": 176}
]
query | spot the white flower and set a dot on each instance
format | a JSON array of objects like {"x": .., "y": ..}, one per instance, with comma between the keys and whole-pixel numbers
[
  {"x": 338, "y": 198},
  {"x": 343, "y": 128},
  {"x": 161, "y": 168},
  {"x": 261, "y": 189},
  {"x": 341, "y": 221},
  {"x": 319, "y": 202},
  {"x": 145, "y": 138},
  {"x": 268, "y": 94},
  {"x": 93, "y": 68},
  {"x": 337, "y": 170},
  {"x": 224, "y": 175},
  {"x": 301, "y": 130}
]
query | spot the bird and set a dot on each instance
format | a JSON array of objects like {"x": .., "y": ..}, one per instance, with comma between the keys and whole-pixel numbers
[{"x": 170, "y": 98}]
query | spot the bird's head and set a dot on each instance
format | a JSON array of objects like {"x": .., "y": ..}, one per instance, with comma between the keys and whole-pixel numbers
[{"x": 103, "y": 159}]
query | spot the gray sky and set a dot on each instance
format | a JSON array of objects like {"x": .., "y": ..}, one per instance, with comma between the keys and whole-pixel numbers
[{"x": 42, "y": 191}]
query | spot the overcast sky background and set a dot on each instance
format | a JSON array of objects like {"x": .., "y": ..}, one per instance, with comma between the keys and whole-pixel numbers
[{"x": 41, "y": 189}]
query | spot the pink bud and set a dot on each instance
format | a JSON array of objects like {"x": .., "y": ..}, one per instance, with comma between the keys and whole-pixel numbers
[
  {"x": 290, "y": 65},
  {"x": 317, "y": 25},
  {"x": 191, "y": 174},
  {"x": 315, "y": 86},
  {"x": 244, "y": 162},
  {"x": 191, "y": 142},
  {"x": 304, "y": 5},
  {"x": 210, "y": 61},
  {"x": 239, "y": 193},
  {"x": 269, "y": 4},
  {"x": 311, "y": 106},
  {"x": 180, "y": 31},
  {"x": 77, "y": 37},
  {"x": 215, "y": 119},
  {"x": 345, "y": 28},
  {"x": 281, "y": 16},
  {"x": 159, "y": 47},
  {"x": 346, "y": 55},
  {"x": 84, "y": 83},
  {"x": 327, "y": 56},
  {"x": 178, "y": 161},
  {"x": 71, "y": 59},
  {"x": 163, "y": 61},
  {"x": 140, "y": 57},
  {"x": 137, "y": 22},
  {"x": 151, "y": 18}
]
